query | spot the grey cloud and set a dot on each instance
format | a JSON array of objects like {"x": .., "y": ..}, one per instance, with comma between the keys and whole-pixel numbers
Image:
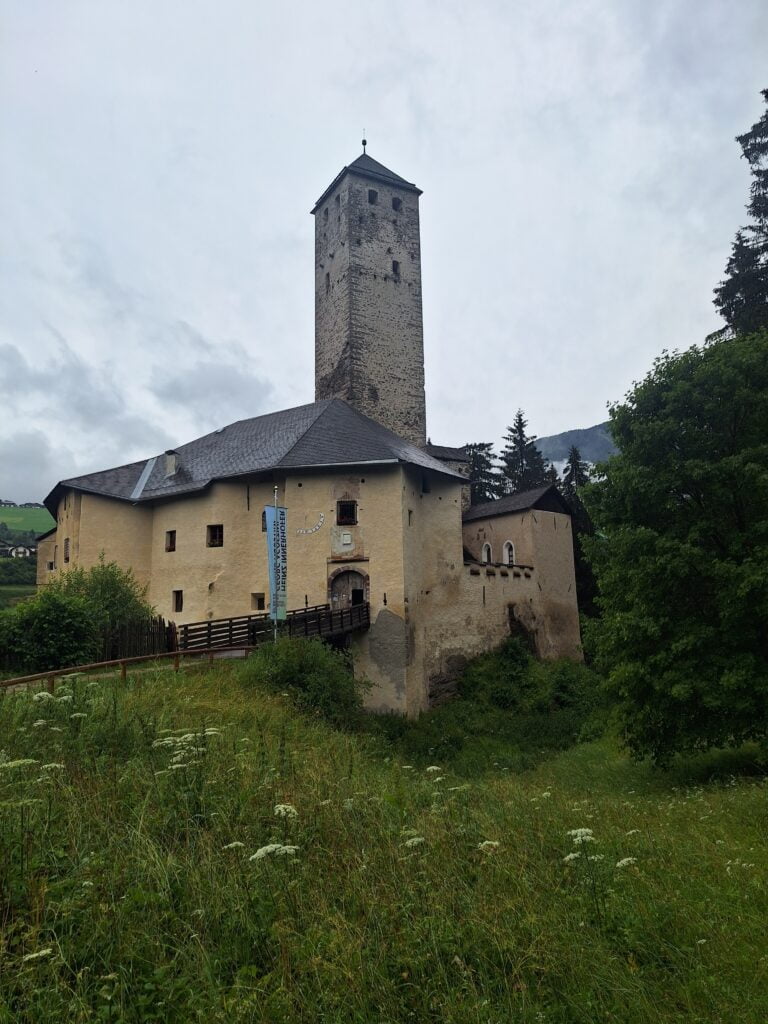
[{"x": 26, "y": 459}]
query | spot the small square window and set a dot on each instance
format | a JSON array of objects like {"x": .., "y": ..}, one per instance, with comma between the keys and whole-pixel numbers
[
  {"x": 178, "y": 600},
  {"x": 396, "y": 268},
  {"x": 373, "y": 196},
  {"x": 215, "y": 536},
  {"x": 258, "y": 602},
  {"x": 170, "y": 540},
  {"x": 346, "y": 513},
  {"x": 396, "y": 203},
  {"x": 49, "y": 566}
]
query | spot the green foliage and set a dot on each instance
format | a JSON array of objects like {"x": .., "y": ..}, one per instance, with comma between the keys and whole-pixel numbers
[
  {"x": 18, "y": 570},
  {"x": 48, "y": 631},
  {"x": 129, "y": 817},
  {"x": 522, "y": 464},
  {"x": 114, "y": 595},
  {"x": 511, "y": 709},
  {"x": 681, "y": 552},
  {"x": 55, "y": 619},
  {"x": 484, "y": 478},
  {"x": 319, "y": 678},
  {"x": 742, "y": 298}
]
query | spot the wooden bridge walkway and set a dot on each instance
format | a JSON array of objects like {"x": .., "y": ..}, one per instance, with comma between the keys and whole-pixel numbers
[{"x": 318, "y": 620}]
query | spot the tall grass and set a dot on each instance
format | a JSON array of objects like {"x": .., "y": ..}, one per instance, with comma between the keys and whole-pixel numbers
[{"x": 190, "y": 848}]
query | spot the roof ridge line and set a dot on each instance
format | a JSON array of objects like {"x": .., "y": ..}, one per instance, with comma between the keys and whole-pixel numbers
[{"x": 311, "y": 423}]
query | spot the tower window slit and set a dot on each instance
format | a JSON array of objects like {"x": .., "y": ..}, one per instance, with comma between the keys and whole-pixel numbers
[{"x": 373, "y": 196}]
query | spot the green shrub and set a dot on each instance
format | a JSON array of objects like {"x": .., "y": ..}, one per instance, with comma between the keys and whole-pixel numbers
[
  {"x": 319, "y": 678},
  {"x": 18, "y": 570},
  {"x": 51, "y": 630}
]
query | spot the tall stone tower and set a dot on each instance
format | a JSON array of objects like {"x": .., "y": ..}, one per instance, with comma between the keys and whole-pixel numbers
[{"x": 369, "y": 341}]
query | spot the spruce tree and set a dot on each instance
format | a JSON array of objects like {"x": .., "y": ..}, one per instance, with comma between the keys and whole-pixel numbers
[
  {"x": 742, "y": 298},
  {"x": 484, "y": 478},
  {"x": 575, "y": 474},
  {"x": 522, "y": 463}
]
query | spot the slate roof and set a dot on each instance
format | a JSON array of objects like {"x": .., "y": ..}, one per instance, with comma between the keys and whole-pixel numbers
[
  {"x": 441, "y": 451},
  {"x": 366, "y": 167},
  {"x": 321, "y": 434},
  {"x": 547, "y": 498}
]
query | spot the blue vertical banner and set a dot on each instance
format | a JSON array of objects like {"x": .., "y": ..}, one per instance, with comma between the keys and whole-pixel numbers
[{"x": 277, "y": 553}]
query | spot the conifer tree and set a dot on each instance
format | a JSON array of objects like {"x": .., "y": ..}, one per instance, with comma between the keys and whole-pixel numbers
[
  {"x": 484, "y": 478},
  {"x": 742, "y": 298},
  {"x": 522, "y": 463},
  {"x": 575, "y": 474}
]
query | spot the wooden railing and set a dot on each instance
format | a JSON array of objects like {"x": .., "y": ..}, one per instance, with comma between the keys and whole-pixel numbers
[
  {"x": 317, "y": 620},
  {"x": 321, "y": 620}
]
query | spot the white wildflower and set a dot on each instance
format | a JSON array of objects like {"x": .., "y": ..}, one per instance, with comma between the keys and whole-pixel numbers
[
  {"x": 632, "y": 832},
  {"x": 36, "y": 956},
  {"x": 274, "y": 849},
  {"x": 570, "y": 857},
  {"x": 22, "y": 762},
  {"x": 414, "y": 841},
  {"x": 40, "y": 723},
  {"x": 546, "y": 795},
  {"x": 596, "y": 856},
  {"x": 488, "y": 845},
  {"x": 52, "y": 766},
  {"x": 79, "y": 714},
  {"x": 433, "y": 768},
  {"x": 233, "y": 846},
  {"x": 580, "y": 840},
  {"x": 285, "y": 811},
  {"x": 440, "y": 778},
  {"x": 700, "y": 942},
  {"x": 212, "y": 732},
  {"x": 324, "y": 803},
  {"x": 43, "y": 695},
  {"x": 406, "y": 766},
  {"x": 87, "y": 885},
  {"x": 577, "y": 833},
  {"x": 65, "y": 698},
  {"x": 625, "y": 862}
]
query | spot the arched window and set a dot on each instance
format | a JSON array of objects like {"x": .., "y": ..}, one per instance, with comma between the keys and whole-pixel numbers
[
  {"x": 486, "y": 559},
  {"x": 509, "y": 553}
]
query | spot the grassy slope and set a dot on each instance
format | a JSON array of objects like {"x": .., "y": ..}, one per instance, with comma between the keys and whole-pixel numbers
[
  {"x": 122, "y": 874},
  {"x": 38, "y": 519},
  {"x": 12, "y": 593}
]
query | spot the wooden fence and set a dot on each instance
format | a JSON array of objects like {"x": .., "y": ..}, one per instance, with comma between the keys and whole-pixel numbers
[
  {"x": 147, "y": 636},
  {"x": 318, "y": 620}
]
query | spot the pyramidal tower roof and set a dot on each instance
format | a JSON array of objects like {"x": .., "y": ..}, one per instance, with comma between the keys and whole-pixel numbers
[{"x": 366, "y": 167}]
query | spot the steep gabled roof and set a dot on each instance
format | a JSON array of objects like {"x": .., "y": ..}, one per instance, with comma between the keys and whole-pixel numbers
[
  {"x": 366, "y": 167},
  {"x": 321, "y": 434},
  {"x": 547, "y": 498}
]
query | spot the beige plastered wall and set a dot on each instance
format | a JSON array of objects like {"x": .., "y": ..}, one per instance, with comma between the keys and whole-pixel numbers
[{"x": 544, "y": 541}]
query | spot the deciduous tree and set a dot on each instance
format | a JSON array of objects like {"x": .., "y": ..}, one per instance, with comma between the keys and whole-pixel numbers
[{"x": 681, "y": 551}]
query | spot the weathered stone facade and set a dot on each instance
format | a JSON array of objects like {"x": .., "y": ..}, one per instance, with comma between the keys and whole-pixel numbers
[{"x": 369, "y": 342}]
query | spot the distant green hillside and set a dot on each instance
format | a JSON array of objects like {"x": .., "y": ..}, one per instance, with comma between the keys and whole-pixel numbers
[
  {"x": 38, "y": 519},
  {"x": 594, "y": 443}
]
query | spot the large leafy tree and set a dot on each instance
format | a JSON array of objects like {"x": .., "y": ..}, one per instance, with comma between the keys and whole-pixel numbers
[
  {"x": 681, "y": 551},
  {"x": 484, "y": 477},
  {"x": 575, "y": 477},
  {"x": 742, "y": 298},
  {"x": 522, "y": 463}
]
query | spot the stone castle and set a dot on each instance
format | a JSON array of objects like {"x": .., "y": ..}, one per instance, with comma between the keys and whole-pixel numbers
[{"x": 375, "y": 513}]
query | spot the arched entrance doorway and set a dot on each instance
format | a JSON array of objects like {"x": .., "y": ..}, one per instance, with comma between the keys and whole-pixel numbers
[{"x": 347, "y": 589}]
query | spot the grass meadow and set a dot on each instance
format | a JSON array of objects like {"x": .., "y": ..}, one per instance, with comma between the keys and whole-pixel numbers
[
  {"x": 12, "y": 593},
  {"x": 191, "y": 848},
  {"x": 38, "y": 519}
]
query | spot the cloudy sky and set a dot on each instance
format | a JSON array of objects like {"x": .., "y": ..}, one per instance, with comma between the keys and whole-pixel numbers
[{"x": 159, "y": 158}]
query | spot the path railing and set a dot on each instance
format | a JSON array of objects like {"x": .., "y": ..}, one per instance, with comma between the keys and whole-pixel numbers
[{"x": 321, "y": 620}]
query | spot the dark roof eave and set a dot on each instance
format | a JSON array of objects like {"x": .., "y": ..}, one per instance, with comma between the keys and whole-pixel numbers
[{"x": 405, "y": 186}]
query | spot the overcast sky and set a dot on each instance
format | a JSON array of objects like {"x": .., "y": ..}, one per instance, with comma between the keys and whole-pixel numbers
[{"x": 159, "y": 158}]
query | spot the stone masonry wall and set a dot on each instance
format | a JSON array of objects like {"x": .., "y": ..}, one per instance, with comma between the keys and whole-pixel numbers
[{"x": 369, "y": 345}]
